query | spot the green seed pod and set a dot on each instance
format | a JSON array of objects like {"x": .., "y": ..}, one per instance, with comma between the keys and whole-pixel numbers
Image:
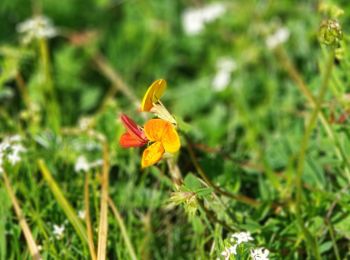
[{"x": 330, "y": 32}]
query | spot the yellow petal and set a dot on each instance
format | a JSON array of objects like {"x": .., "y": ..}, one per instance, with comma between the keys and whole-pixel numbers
[
  {"x": 152, "y": 154},
  {"x": 153, "y": 93},
  {"x": 154, "y": 129},
  {"x": 170, "y": 139}
]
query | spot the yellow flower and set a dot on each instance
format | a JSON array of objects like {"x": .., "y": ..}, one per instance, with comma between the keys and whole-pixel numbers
[
  {"x": 164, "y": 137},
  {"x": 153, "y": 94}
]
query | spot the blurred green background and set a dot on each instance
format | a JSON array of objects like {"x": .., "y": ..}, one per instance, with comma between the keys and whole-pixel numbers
[{"x": 234, "y": 81}]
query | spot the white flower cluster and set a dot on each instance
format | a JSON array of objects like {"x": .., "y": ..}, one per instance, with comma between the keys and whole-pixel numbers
[
  {"x": 260, "y": 254},
  {"x": 10, "y": 150},
  {"x": 224, "y": 68},
  {"x": 38, "y": 27},
  {"x": 279, "y": 37},
  {"x": 83, "y": 165},
  {"x": 58, "y": 231},
  {"x": 194, "y": 19},
  {"x": 240, "y": 238}
]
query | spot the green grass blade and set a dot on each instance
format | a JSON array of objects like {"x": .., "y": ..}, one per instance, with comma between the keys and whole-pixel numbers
[{"x": 63, "y": 202}]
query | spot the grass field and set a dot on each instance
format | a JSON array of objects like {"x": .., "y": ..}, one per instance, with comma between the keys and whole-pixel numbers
[{"x": 245, "y": 155}]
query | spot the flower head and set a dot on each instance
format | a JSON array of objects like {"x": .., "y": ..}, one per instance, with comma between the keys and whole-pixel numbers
[
  {"x": 160, "y": 132},
  {"x": 241, "y": 237},
  {"x": 11, "y": 150},
  {"x": 58, "y": 231},
  {"x": 195, "y": 19},
  {"x": 330, "y": 32},
  {"x": 36, "y": 28},
  {"x": 164, "y": 137},
  {"x": 277, "y": 38},
  {"x": 260, "y": 254},
  {"x": 83, "y": 165},
  {"x": 232, "y": 250}
]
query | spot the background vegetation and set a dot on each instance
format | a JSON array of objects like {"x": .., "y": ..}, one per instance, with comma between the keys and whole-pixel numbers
[{"x": 64, "y": 95}]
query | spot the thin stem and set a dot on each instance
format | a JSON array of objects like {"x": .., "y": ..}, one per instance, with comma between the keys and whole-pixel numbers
[
  {"x": 175, "y": 173},
  {"x": 113, "y": 76},
  {"x": 33, "y": 248},
  {"x": 22, "y": 89},
  {"x": 123, "y": 230},
  {"x": 103, "y": 225},
  {"x": 238, "y": 197},
  {"x": 296, "y": 77},
  {"x": 87, "y": 218},
  {"x": 301, "y": 160},
  {"x": 334, "y": 242},
  {"x": 214, "y": 218}
]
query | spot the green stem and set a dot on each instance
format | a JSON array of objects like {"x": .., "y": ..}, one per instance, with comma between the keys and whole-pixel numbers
[
  {"x": 296, "y": 77},
  {"x": 52, "y": 114},
  {"x": 301, "y": 160},
  {"x": 239, "y": 197},
  {"x": 123, "y": 229}
]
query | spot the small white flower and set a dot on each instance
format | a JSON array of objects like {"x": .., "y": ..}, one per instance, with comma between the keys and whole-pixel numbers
[
  {"x": 279, "y": 37},
  {"x": 194, "y": 19},
  {"x": 14, "y": 138},
  {"x": 4, "y": 145},
  {"x": 96, "y": 163},
  {"x": 81, "y": 164},
  {"x": 18, "y": 148},
  {"x": 58, "y": 231},
  {"x": 260, "y": 254},
  {"x": 81, "y": 214},
  {"x": 241, "y": 237},
  {"x": 14, "y": 158},
  {"x": 229, "y": 251},
  {"x": 37, "y": 28},
  {"x": 224, "y": 67}
]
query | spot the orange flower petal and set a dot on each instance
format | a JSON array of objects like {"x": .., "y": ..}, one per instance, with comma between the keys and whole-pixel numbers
[
  {"x": 154, "y": 129},
  {"x": 152, "y": 154},
  {"x": 129, "y": 140},
  {"x": 153, "y": 93},
  {"x": 170, "y": 139}
]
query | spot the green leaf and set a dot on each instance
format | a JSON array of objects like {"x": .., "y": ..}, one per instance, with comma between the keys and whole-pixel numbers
[{"x": 192, "y": 182}]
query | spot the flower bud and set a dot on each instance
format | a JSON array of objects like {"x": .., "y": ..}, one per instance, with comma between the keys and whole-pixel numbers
[{"x": 330, "y": 32}]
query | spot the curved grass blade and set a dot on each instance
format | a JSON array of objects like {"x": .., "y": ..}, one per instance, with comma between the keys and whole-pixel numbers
[{"x": 63, "y": 202}]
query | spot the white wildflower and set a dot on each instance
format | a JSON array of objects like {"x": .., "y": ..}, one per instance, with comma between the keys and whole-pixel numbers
[
  {"x": 85, "y": 123},
  {"x": 14, "y": 158},
  {"x": 81, "y": 214},
  {"x": 229, "y": 251},
  {"x": 96, "y": 163},
  {"x": 58, "y": 231},
  {"x": 14, "y": 138},
  {"x": 18, "y": 148},
  {"x": 194, "y": 19},
  {"x": 82, "y": 164},
  {"x": 260, "y": 254},
  {"x": 241, "y": 237},
  {"x": 37, "y": 27},
  {"x": 10, "y": 150},
  {"x": 222, "y": 78},
  {"x": 279, "y": 37}
]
